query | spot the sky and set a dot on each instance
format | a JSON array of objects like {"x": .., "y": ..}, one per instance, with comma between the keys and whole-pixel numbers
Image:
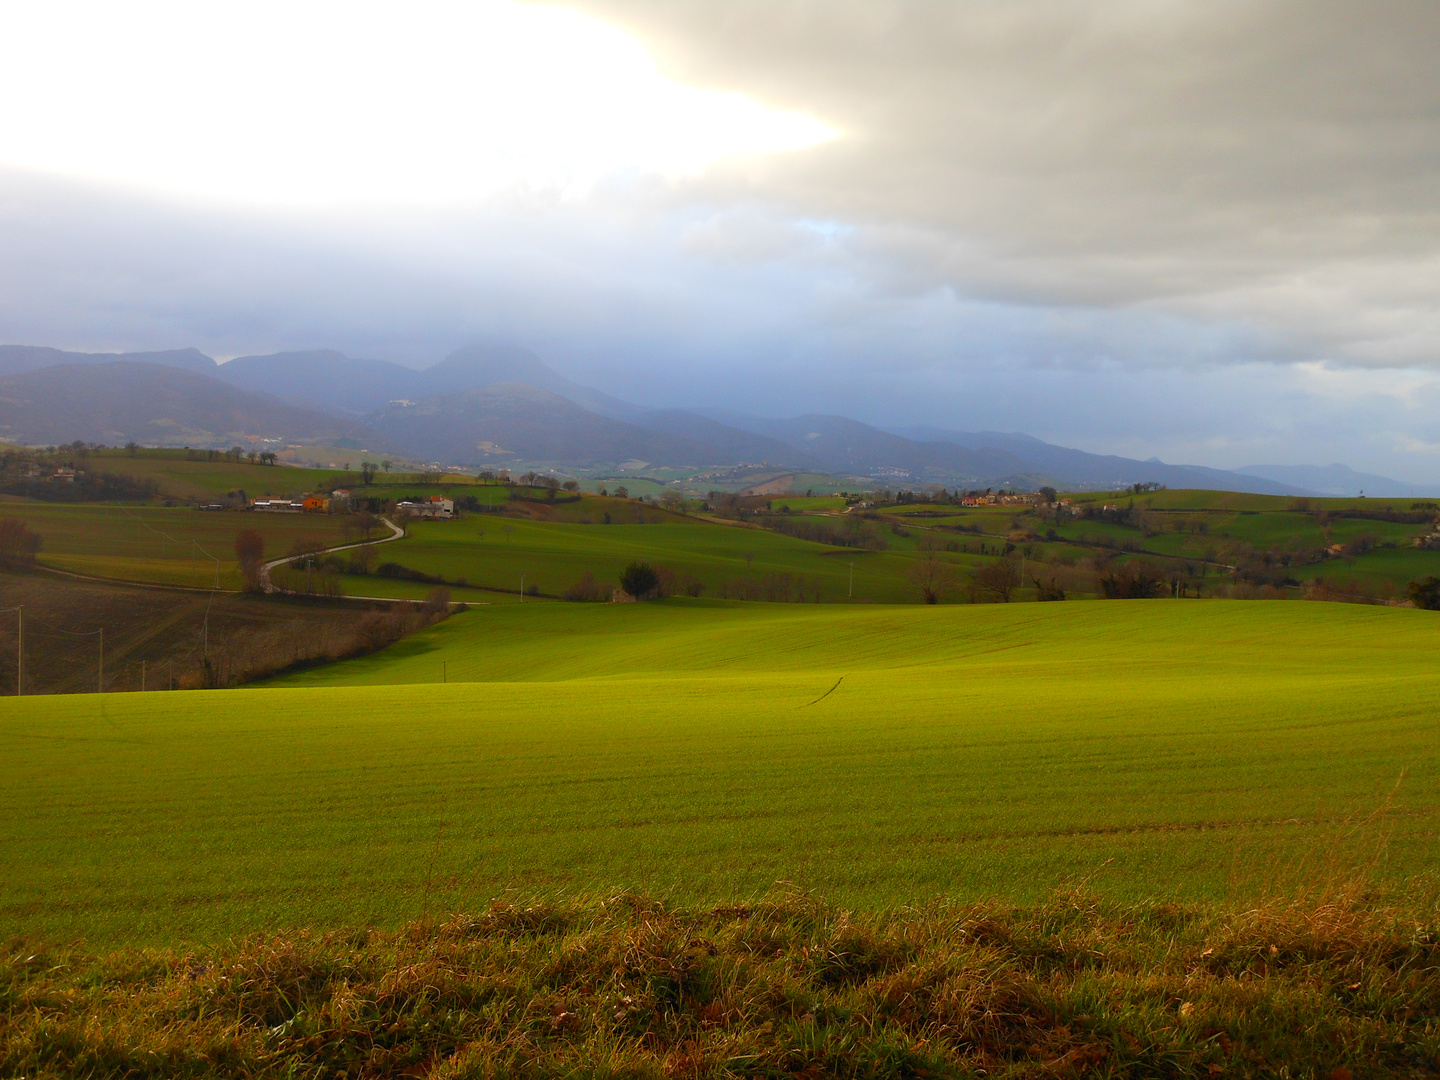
[{"x": 1204, "y": 231}]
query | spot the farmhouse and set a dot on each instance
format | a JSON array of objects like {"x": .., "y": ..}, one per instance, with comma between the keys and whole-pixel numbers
[
  {"x": 437, "y": 506},
  {"x": 314, "y": 504}
]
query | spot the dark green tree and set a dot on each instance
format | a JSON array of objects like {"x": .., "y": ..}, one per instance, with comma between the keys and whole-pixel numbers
[
  {"x": 1426, "y": 593},
  {"x": 639, "y": 580}
]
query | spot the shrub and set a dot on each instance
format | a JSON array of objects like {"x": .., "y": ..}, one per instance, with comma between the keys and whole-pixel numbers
[
  {"x": 1133, "y": 581},
  {"x": 404, "y": 573},
  {"x": 1426, "y": 593},
  {"x": 17, "y": 541},
  {"x": 587, "y": 590}
]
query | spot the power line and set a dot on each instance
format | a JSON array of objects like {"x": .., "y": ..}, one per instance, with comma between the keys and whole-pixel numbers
[{"x": 195, "y": 544}]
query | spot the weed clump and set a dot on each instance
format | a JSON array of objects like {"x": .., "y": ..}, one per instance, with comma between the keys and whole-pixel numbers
[{"x": 625, "y": 986}]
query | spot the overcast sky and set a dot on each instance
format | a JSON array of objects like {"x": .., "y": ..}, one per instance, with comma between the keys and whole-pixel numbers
[{"x": 1205, "y": 231}]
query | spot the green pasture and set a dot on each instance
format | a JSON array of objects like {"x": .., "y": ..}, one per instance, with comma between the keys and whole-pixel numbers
[
  {"x": 635, "y": 486},
  {"x": 705, "y": 751},
  {"x": 176, "y": 475},
  {"x": 810, "y": 503},
  {"x": 1203, "y": 499},
  {"x": 169, "y": 545},
  {"x": 1376, "y": 570},
  {"x": 496, "y": 551}
]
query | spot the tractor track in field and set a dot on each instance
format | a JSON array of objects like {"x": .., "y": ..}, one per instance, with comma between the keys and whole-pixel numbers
[{"x": 826, "y": 694}]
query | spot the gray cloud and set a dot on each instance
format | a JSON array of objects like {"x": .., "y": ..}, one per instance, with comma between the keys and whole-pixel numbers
[{"x": 1276, "y": 162}]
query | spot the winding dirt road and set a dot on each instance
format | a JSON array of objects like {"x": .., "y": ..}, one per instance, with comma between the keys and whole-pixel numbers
[{"x": 268, "y": 586}]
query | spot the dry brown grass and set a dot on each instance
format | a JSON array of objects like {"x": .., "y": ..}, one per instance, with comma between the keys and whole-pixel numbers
[
  {"x": 625, "y": 987},
  {"x": 184, "y": 639}
]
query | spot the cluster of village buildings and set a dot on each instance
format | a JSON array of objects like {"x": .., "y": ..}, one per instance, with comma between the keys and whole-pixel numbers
[
  {"x": 1007, "y": 500},
  {"x": 437, "y": 506}
]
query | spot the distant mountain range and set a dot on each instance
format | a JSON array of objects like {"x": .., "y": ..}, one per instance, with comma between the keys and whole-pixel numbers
[
  {"x": 155, "y": 405},
  {"x": 502, "y": 406},
  {"x": 1335, "y": 480}
]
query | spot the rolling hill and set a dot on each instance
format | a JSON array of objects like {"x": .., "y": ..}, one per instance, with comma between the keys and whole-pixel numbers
[
  {"x": 508, "y": 422},
  {"x": 1079, "y": 469},
  {"x": 842, "y": 445},
  {"x": 1337, "y": 480},
  {"x": 153, "y": 404},
  {"x": 333, "y": 382},
  {"x": 18, "y": 359}
]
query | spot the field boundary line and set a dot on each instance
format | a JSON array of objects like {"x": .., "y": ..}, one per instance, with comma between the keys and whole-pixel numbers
[{"x": 135, "y": 584}]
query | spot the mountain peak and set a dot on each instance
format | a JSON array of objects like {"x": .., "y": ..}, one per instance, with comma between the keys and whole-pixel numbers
[{"x": 480, "y": 365}]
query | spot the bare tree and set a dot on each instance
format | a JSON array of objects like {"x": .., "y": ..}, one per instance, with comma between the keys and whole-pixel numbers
[
  {"x": 17, "y": 541},
  {"x": 1000, "y": 579},
  {"x": 932, "y": 577},
  {"x": 250, "y": 553},
  {"x": 361, "y": 558}
]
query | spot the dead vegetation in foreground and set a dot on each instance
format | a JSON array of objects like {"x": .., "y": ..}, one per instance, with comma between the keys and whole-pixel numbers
[{"x": 625, "y": 987}]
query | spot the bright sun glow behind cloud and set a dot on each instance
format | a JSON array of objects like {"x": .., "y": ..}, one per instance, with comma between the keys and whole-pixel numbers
[{"x": 438, "y": 101}]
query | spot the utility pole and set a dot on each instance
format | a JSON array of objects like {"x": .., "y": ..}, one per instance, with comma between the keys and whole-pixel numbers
[
  {"x": 20, "y": 654},
  {"x": 522, "y": 588},
  {"x": 851, "y": 593},
  {"x": 100, "y": 686},
  {"x": 142, "y": 676}
]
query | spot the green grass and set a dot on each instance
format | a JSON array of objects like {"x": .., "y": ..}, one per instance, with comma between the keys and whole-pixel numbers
[
  {"x": 169, "y": 545},
  {"x": 177, "y": 475},
  {"x": 705, "y": 751},
  {"x": 1202, "y": 499},
  {"x": 1375, "y": 570},
  {"x": 495, "y": 552}
]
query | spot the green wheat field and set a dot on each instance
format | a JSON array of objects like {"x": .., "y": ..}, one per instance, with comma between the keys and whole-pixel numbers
[{"x": 700, "y": 751}]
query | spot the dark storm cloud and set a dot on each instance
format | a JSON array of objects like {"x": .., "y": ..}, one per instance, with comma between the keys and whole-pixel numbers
[{"x": 1276, "y": 163}]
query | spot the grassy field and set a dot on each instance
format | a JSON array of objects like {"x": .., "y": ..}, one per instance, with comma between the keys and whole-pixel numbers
[
  {"x": 1198, "y": 750},
  {"x": 178, "y": 474},
  {"x": 720, "y": 557},
  {"x": 168, "y": 545}
]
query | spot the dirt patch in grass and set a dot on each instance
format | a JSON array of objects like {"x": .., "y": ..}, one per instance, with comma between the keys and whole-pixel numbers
[
  {"x": 625, "y": 987},
  {"x": 162, "y": 639}
]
